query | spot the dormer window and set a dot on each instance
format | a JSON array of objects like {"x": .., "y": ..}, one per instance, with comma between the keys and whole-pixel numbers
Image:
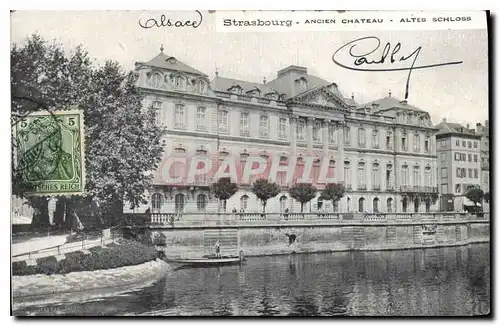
[
  {"x": 302, "y": 83},
  {"x": 202, "y": 87},
  {"x": 156, "y": 80},
  {"x": 171, "y": 60},
  {"x": 236, "y": 89}
]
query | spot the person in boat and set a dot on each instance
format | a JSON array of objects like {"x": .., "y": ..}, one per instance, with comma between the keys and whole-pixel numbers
[{"x": 217, "y": 250}]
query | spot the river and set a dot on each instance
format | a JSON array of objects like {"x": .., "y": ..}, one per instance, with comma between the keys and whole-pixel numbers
[{"x": 448, "y": 281}]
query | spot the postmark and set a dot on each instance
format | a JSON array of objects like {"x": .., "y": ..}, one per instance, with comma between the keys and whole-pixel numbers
[{"x": 49, "y": 153}]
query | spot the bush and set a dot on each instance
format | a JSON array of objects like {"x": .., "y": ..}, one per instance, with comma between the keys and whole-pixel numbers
[{"x": 125, "y": 253}]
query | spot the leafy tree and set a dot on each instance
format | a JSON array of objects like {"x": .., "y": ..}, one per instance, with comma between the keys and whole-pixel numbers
[
  {"x": 333, "y": 192},
  {"x": 264, "y": 190},
  {"x": 223, "y": 189},
  {"x": 474, "y": 194},
  {"x": 303, "y": 193},
  {"x": 122, "y": 141},
  {"x": 487, "y": 197}
]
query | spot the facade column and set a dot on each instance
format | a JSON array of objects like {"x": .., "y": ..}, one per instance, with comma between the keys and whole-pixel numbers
[
  {"x": 339, "y": 162},
  {"x": 310, "y": 123},
  {"x": 293, "y": 135},
  {"x": 326, "y": 141}
]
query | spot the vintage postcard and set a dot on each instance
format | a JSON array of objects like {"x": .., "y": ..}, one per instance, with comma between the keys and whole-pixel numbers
[{"x": 250, "y": 163}]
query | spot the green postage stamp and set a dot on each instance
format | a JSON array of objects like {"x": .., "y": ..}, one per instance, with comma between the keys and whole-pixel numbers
[{"x": 49, "y": 153}]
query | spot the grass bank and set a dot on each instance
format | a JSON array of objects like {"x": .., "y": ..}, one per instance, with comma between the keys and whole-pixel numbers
[{"x": 122, "y": 253}]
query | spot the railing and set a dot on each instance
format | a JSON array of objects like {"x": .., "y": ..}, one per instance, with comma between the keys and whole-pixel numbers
[
  {"x": 214, "y": 219},
  {"x": 426, "y": 189}
]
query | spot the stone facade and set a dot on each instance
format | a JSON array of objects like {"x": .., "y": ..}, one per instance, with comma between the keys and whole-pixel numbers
[{"x": 383, "y": 151}]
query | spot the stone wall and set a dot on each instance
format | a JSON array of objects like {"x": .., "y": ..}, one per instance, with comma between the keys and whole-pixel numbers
[{"x": 356, "y": 235}]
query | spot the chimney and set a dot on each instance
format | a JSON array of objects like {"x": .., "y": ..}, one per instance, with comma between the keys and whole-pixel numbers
[
  {"x": 444, "y": 119},
  {"x": 468, "y": 127},
  {"x": 264, "y": 80},
  {"x": 390, "y": 93},
  {"x": 352, "y": 96}
]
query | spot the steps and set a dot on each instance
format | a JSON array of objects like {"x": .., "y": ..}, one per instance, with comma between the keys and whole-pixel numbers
[
  {"x": 390, "y": 234},
  {"x": 417, "y": 234},
  {"x": 439, "y": 234},
  {"x": 228, "y": 240},
  {"x": 358, "y": 234}
]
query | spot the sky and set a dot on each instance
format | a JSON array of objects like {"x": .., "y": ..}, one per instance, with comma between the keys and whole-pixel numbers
[{"x": 458, "y": 93}]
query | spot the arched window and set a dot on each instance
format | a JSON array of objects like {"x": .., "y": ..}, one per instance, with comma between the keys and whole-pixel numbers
[
  {"x": 180, "y": 83},
  {"x": 244, "y": 202},
  {"x": 427, "y": 205},
  {"x": 348, "y": 204},
  {"x": 361, "y": 205},
  {"x": 361, "y": 176},
  {"x": 389, "y": 205},
  {"x": 179, "y": 203},
  {"x": 156, "y": 80},
  {"x": 320, "y": 203},
  {"x": 375, "y": 176},
  {"x": 416, "y": 175},
  {"x": 283, "y": 203},
  {"x": 156, "y": 202},
  {"x": 405, "y": 205},
  {"x": 347, "y": 174},
  {"x": 202, "y": 87},
  {"x": 201, "y": 202},
  {"x": 375, "y": 205}
]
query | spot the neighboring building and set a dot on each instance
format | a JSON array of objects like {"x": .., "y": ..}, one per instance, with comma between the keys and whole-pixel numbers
[
  {"x": 459, "y": 163},
  {"x": 484, "y": 131},
  {"x": 384, "y": 151}
]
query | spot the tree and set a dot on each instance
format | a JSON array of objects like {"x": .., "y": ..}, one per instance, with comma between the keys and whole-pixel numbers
[
  {"x": 264, "y": 190},
  {"x": 487, "y": 197},
  {"x": 333, "y": 192},
  {"x": 474, "y": 194},
  {"x": 122, "y": 140},
  {"x": 223, "y": 189},
  {"x": 303, "y": 193}
]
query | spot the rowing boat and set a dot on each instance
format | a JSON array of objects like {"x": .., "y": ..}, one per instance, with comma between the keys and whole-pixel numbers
[{"x": 203, "y": 261}]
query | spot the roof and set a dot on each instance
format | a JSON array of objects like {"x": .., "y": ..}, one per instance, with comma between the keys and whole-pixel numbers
[
  {"x": 390, "y": 102},
  {"x": 222, "y": 84},
  {"x": 162, "y": 61},
  {"x": 455, "y": 128}
]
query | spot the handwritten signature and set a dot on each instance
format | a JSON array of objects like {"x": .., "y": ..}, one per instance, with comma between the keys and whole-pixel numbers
[
  {"x": 164, "y": 21},
  {"x": 388, "y": 55}
]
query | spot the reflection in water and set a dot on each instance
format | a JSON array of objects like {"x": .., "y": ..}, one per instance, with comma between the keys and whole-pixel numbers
[{"x": 445, "y": 281}]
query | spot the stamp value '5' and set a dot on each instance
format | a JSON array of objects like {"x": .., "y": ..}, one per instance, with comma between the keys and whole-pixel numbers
[{"x": 49, "y": 153}]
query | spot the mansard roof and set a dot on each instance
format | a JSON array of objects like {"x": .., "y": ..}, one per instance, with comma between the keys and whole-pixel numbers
[
  {"x": 164, "y": 61},
  {"x": 388, "y": 103}
]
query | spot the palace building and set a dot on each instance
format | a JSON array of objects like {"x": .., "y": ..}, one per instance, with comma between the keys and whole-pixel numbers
[{"x": 297, "y": 127}]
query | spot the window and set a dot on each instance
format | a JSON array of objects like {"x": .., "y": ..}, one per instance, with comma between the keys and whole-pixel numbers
[
  {"x": 444, "y": 173},
  {"x": 458, "y": 143},
  {"x": 179, "y": 203},
  {"x": 157, "y": 106},
  {"x": 475, "y": 158},
  {"x": 180, "y": 116},
  {"x": 360, "y": 176},
  {"x": 375, "y": 176},
  {"x": 416, "y": 176},
  {"x": 375, "y": 139},
  {"x": 470, "y": 173},
  {"x": 416, "y": 143},
  {"x": 459, "y": 173},
  {"x": 404, "y": 145},
  {"x": 475, "y": 144},
  {"x": 347, "y": 174},
  {"x": 244, "y": 202},
  {"x": 301, "y": 126},
  {"x": 388, "y": 140},
  {"x": 201, "y": 202},
  {"x": 224, "y": 121},
  {"x": 464, "y": 143},
  {"x": 464, "y": 173},
  {"x": 156, "y": 81},
  {"x": 347, "y": 136},
  {"x": 405, "y": 205},
  {"x": 427, "y": 205},
  {"x": 180, "y": 82},
  {"x": 375, "y": 205},
  {"x": 282, "y": 128},
  {"x": 444, "y": 188},
  {"x": 457, "y": 156},
  {"x": 201, "y": 119},
  {"x": 443, "y": 157},
  {"x": 264, "y": 126},
  {"x": 469, "y": 157},
  {"x": 469, "y": 144},
  {"x": 457, "y": 188},
  {"x": 361, "y": 205},
  {"x": 389, "y": 205},
  {"x": 427, "y": 177},
  {"x": 404, "y": 175},
  {"x": 476, "y": 175},
  {"x": 244, "y": 124},
  {"x": 316, "y": 134},
  {"x": 388, "y": 176},
  {"x": 202, "y": 87},
  {"x": 332, "y": 136},
  {"x": 427, "y": 143},
  {"x": 156, "y": 202},
  {"x": 361, "y": 137},
  {"x": 283, "y": 205}
]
